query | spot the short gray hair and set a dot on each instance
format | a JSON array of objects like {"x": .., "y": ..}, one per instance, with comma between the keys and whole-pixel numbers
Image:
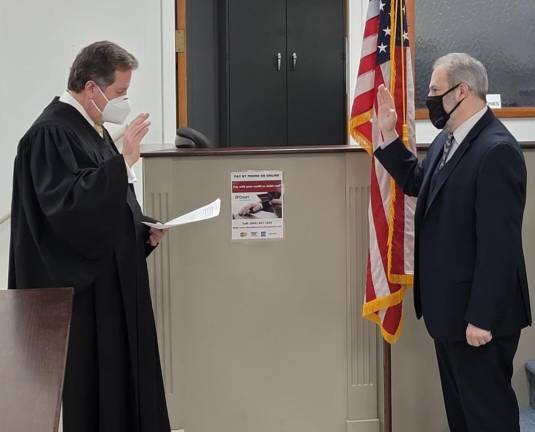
[
  {"x": 463, "y": 68},
  {"x": 98, "y": 62}
]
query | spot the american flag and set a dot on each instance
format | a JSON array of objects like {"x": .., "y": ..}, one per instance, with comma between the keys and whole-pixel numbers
[{"x": 386, "y": 59}]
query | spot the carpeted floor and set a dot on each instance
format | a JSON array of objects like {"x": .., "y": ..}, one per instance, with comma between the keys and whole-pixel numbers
[
  {"x": 527, "y": 415},
  {"x": 527, "y": 420}
]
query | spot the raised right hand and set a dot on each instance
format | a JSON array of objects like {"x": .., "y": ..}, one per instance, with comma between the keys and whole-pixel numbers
[
  {"x": 386, "y": 114},
  {"x": 133, "y": 135}
]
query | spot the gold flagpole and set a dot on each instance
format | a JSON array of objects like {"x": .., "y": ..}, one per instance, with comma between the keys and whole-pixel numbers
[
  {"x": 387, "y": 386},
  {"x": 405, "y": 132},
  {"x": 387, "y": 349}
]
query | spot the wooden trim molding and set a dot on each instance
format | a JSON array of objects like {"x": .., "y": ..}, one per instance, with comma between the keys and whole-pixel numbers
[
  {"x": 181, "y": 64},
  {"x": 151, "y": 151}
]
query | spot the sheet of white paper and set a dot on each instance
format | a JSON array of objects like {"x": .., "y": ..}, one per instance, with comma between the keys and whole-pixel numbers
[{"x": 206, "y": 212}]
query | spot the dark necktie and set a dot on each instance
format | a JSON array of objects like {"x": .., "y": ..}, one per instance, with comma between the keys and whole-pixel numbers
[{"x": 446, "y": 151}]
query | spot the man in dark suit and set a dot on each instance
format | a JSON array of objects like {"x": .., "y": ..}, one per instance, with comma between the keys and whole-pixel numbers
[{"x": 470, "y": 281}]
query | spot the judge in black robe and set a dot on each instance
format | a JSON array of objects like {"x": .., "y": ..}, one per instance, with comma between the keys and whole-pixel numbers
[{"x": 76, "y": 223}]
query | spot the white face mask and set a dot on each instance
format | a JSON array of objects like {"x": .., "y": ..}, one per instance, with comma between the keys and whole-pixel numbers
[{"x": 116, "y": 110}]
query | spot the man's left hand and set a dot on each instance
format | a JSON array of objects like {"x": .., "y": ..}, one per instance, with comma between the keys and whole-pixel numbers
[
  {"x": 155, "y": 236},
  {"x": 476, "y": 336}
]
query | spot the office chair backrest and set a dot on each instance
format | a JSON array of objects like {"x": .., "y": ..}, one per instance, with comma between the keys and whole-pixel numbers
[{"x": 191, "y": 138}]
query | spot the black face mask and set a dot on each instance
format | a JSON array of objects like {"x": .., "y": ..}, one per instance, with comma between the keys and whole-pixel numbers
[{"x": 437, "y": 114}]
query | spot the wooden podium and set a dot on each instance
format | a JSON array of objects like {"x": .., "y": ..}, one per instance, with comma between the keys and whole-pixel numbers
[{"x": 34, "y": 333}]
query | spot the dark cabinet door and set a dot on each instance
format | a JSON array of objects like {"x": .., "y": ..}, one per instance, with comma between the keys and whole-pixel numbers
[
  {"x": 256, "y": 95},
  {"x": 316, "y": 72}
]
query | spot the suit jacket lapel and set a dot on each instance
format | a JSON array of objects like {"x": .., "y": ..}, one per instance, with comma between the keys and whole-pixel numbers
[
  {"x": 456, "y": 158},
  {"x": 434, "y": 157}
]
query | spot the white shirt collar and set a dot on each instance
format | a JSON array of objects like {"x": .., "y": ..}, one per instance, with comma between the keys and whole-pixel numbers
[
  {"x": 464, "y": 129},
  {"x": 69, "y": 99}
]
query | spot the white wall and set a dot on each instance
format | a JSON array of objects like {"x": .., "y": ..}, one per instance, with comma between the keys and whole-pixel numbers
[{"x": 38, "y": 42}]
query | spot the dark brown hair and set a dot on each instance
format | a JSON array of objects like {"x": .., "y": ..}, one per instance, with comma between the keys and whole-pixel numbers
[{"x": 98, "y": 62}]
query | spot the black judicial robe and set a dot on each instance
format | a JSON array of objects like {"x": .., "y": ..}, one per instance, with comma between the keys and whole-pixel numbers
[{"x": 76, "y": 223}]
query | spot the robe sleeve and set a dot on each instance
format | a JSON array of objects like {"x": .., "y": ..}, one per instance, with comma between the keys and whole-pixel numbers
[
  {"x": 148, "y": 247},
  {"x": 82, "y": 201}
]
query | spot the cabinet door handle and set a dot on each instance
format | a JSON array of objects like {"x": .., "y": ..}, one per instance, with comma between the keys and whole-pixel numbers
[
  {"x": 294, "y": 60},
  {"x": 279, "y": 61}
]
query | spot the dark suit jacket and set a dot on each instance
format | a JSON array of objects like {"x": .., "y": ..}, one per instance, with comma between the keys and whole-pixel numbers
[{"x": 469, "y": 262}]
